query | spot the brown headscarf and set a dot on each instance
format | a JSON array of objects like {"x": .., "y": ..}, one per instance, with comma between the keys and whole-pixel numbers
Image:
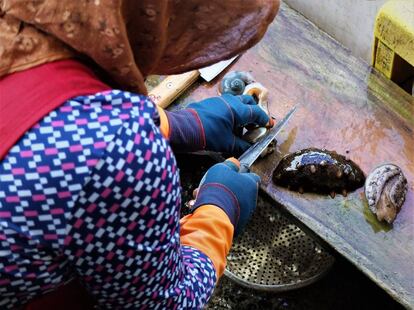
[{"x": 130, "y": 39}]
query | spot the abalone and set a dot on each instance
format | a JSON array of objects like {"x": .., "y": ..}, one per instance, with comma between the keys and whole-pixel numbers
[
  {"x": 385, "y": 190},
  {"x": 319, "y": 171}
]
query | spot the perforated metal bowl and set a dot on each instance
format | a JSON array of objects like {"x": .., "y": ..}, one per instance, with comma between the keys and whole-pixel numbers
[{"x": 274, "y": 254}]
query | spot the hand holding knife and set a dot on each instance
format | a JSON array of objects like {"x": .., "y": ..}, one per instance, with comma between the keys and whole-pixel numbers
[
  {"x": 172, "y": 86},
  {"x": 247, "y": 159}
]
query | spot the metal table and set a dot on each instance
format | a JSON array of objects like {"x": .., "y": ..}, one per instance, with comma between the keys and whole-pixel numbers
[{"x": 348, "y": 107}]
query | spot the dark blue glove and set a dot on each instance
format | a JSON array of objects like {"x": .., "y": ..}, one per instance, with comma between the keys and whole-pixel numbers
[
  {"x": 235, "y": 193},
  {"x": 215, "y": 124},
  {"x": 223, "y": 118}
]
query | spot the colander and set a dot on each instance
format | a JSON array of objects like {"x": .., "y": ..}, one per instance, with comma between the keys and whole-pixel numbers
[{"x": 274, "y": 254}]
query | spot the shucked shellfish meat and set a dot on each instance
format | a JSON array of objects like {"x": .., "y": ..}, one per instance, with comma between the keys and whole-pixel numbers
[{"x": 385, "y": 190}]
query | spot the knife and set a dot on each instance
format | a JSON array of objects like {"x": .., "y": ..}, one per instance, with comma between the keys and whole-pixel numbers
[
  {"x": 247, "y": 159},
  {"x": 174, "y": 85}
]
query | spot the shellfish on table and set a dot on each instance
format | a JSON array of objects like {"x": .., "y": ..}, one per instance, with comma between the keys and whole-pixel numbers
[
  {"x": 243, "y": 83},
  {"x": 385, "y": 190},
  {"x": 319, "y": 171},
  {"x": 235, "y": 82}
]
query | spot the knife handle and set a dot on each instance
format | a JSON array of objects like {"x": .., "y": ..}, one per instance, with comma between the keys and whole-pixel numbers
[{"x": 171, "y": 87}]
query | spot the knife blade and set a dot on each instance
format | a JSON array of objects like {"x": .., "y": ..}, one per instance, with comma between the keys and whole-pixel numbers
[
  {"x": 210, "y": 72},
  {"x": 247, "y": 159},
  {"x": 174, "y": 85}
]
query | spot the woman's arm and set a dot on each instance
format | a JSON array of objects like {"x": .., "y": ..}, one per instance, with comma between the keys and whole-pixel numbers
[
  {"x": 93, "y": 190},
  {"x": 123, "y": 236},
  {"x": 213, "y": 124}
]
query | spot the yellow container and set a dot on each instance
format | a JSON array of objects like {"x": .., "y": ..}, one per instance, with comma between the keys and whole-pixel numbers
[{"x": 393, "y": 48}]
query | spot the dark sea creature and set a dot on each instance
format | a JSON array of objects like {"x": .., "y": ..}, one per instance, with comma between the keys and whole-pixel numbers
[
  {"x": 318, "y": 171},
  {"x": 385, "y": 189},
  {"x": 235, "y": 82}
]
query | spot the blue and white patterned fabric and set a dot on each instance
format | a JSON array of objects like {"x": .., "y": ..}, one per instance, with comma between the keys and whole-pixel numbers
[{"x": 92, "y": 191}]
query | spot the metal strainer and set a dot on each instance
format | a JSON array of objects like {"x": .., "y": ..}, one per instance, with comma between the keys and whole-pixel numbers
[{"x": 274, "y": 254}]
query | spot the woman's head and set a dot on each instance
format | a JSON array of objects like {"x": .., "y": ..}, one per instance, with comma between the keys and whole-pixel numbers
[{"x": 130, "y": 39}]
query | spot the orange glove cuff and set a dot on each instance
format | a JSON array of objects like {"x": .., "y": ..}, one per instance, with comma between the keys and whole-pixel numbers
[
  {"x": 164, "y": 124},
  {"x": 209, "y": 230}
]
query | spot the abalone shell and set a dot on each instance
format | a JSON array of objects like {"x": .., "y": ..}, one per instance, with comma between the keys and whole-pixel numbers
[{"x": 385, "y": 189}]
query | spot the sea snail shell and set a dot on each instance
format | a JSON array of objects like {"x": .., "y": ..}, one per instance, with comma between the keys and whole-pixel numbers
[
  {"x": 385, "y": 190},
  {"x": 238, "y": 83},
  {"x": 235, "y": 82}
]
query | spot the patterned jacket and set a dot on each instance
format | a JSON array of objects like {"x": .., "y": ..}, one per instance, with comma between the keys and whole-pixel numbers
[{"x": 92, "y": 192}]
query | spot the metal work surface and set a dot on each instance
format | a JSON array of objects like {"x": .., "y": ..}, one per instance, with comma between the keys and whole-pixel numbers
[{"x": 346, "y": 107}]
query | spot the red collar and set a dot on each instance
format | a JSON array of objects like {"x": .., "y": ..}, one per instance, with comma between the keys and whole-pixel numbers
[{"x": 27, "y": 96}]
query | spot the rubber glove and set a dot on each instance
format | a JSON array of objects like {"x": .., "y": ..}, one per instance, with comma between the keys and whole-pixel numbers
[
  {"x": 215, "y": 124},
  {"x": 235, "y": 193}
]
